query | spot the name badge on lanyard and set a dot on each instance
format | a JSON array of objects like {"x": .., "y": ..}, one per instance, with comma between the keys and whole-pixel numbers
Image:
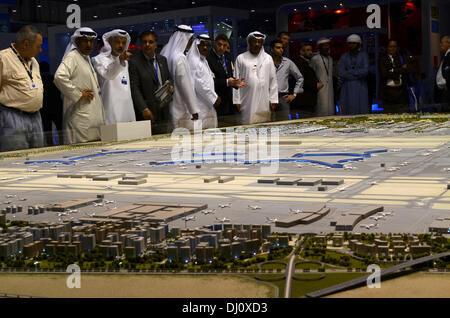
[
  {"x": 124, "y": 81},
  {"x": 34, "y": 86}
]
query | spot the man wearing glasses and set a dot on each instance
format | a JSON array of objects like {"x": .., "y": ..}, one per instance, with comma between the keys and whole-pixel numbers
[{"x": 77, "y": 81}]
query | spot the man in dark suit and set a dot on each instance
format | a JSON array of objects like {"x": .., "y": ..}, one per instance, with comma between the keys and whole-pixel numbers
[
  {"x": 443, "y": 75},
  {"x": 221, "y": 66},
  {"x": 306, "y": 102},
  {"x": 148, "y": 72},
  {"x": 52, "y": 107},
  {"x": 393, "y": 81}
]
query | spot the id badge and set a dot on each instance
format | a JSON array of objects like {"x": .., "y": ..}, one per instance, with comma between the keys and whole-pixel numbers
[{"x": 33, "y": 86}]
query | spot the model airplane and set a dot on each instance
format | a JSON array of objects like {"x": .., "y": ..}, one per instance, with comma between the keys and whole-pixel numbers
[
  {"x": 376, "y": 217},
  {"x": 63, "y": 213},
  {"x": 209, "y": 211},
  {"x": 386, "y": 213},
  {"x": 295, "y": 211},
  {"x": 270, "y": 220},
  {"x": 369, "y": 226},
  {"x": 98, "y": 204},
  {"x": 22, "y": 199},
  {"x": 223, "y": 220},
  {"x": 227, "y": 205},
  {"x": 9, "y": 196},
  {"x": 189, "y": 218},
  {"x": 72, "y": 211},
  {"x": 109, "y": 201},
  {"x": 254, "y": 207}
]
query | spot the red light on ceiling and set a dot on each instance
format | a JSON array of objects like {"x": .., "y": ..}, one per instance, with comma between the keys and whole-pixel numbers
[
  {"x": 339, "y": 11},
  {"x": 410, "y": 5}
]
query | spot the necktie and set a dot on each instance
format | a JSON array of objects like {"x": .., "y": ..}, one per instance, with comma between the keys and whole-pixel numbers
[{"x": 224, "y": 62}]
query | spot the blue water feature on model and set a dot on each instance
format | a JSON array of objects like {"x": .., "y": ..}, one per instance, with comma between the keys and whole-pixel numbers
[
  {"x": 72, "y": 161},
  {"x": 366, "y": 154}
]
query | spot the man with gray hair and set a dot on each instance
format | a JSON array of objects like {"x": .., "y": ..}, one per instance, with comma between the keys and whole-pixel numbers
[{"x": 21, "y": 92}]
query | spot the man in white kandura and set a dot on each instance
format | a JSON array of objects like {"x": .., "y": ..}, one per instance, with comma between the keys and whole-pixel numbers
[
  {"x": 207, "y": 99},
  {"x": 77, "y": 81},
  {"x": 256, "y": 101},
  {"x": 322, "y": 64},
  {"x": 112, "y": 67},
  {"x": 183, "y": 108}
]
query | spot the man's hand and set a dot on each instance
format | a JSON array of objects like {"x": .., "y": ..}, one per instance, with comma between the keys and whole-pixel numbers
[
  {"x": 273, "y": 106},
  {"x": 289, "y": 98},
  {"x": 87, "y": 95},
  {"x": 319, "y": 86},
  {"x": 238, "y": 107},
  {"x": 236, "y": 82},
  {"x": 194, "y": 116},
  {"x": 218, "y": 101},
  {"x": 171, "y": 90},
  {"x": 148, "y": 115},
  {"x": 125, "y": 56}
]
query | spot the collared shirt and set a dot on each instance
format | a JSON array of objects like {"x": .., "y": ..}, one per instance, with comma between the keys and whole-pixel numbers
[
  {"x": 286, "y": 68},
  {"x": 16, "y": 85},
  {"x": 440, "y": 80},
  {"x": 155, "y": 67}
]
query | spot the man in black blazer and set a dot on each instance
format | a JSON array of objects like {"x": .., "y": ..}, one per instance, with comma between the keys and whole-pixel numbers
[
  {"x": 393, "y": 81},
  {"x": 148, "y": 71},
  {"x": 221, "y": 66},
  {"x": 306, "y": 102},
  {"x": 443, "y": 75}
]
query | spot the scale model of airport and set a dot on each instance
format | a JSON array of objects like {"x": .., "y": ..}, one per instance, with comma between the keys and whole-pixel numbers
[{"x": 373, "y": 174}]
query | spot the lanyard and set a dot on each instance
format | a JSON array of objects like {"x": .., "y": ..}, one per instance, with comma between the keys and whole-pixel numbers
[{"x": 29, "y": 71}]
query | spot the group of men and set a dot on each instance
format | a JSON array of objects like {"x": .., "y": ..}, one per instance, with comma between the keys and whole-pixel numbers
[{"x": 197, "y": 75}]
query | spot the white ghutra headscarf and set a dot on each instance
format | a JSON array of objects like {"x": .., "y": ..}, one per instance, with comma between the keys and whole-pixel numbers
[
  {"x": 174, "y": 49},
  {"x": 194, "y": 57},
  {"x": 262, "y": 55},
  {"x": 79, "y": 33},
  {"x": 106, "y": 49}
]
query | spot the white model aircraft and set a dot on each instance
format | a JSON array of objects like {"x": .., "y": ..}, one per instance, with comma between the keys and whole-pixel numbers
[
  {"x": 22, "y": 199},
  {"x": 227, "y": 205},
  {"x": 295, "y": 211},
  {"x": 223, "y": 220},
  {"x": 386, "y": 213},
  {"x": 98, "y": 204},
  {"x": 209, "y": 211},
  {"x": 369, "y": 226},
  {"x": 271, "y": 220},
  {"x": 109, "y": 201},
  {"x": 63, "y": 213},
  {"x": 72, "y": 211},
  {"x": 189, "y": 218},
  {"x": 254, "y": 207},
  {"x": 9, "y": 196},
  {"x": 376, "y": 217}
]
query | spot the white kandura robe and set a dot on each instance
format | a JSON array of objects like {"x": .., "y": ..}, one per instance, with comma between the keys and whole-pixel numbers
[
  {"x": 81, "y": 119},
  {"x": 325, "y": 97},
  {"x": 115, "y": 89},
  {"x": 184, "y": 102},
  {"x": 261, "y": 89},
  {"x": 206, "y": 96}
]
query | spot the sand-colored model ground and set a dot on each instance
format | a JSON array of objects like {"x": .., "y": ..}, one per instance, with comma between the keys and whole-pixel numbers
[
  {"x": 122, "y": 286},
  {"x": 426, "y": 285}
]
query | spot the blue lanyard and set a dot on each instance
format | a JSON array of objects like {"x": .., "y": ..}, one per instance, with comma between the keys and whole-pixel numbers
[
  {"x": 156, "y": 70},
  {"x": 30, "y": 71}
]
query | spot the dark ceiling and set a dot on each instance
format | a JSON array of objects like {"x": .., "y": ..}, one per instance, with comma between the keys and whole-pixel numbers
[{"x": 54, "y": 11}]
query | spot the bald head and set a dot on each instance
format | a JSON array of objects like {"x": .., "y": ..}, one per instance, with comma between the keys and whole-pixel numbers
[{"x": 445, "y": 43}]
